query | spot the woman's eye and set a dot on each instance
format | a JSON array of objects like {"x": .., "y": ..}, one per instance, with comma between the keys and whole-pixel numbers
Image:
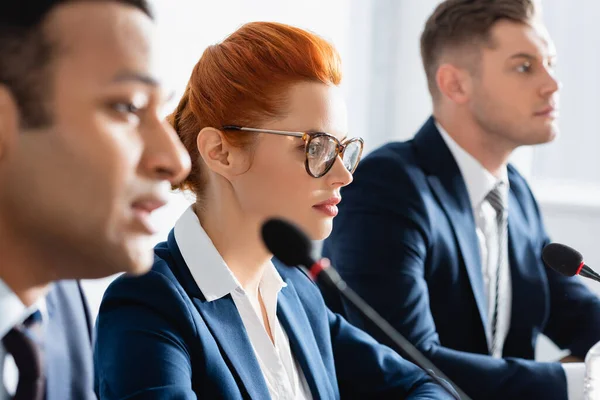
[{"x": 314, "y": 150}]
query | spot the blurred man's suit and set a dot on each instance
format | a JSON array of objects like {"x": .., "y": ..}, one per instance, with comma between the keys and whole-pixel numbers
[
  {"x": 405, "y": 240},
  {"x": 65, "y": 337},
  {"x": 70, "y": 369}
]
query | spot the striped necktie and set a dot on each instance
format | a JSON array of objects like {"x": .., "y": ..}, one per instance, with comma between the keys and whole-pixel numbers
[
  {"x": 496, "y": 200},
  {"x": 23, "y": 342}
]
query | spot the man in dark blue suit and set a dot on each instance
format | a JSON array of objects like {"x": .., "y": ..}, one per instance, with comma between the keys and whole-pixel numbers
[
  {"x": 444, "y": 238},
  {"x": 84, "y": 160}
]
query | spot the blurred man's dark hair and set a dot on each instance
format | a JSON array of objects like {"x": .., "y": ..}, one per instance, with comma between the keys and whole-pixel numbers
[{"x": 27, "y": 50}]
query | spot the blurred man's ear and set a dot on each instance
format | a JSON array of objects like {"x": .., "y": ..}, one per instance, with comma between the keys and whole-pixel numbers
[{"x": 9, "y": 120}]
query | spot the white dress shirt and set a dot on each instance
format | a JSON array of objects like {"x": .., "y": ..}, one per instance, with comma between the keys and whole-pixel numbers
[
  {"x": 480, "y": 182},
  {"x": 283, "y": 375},
  {"x": 12, "y": 312}
]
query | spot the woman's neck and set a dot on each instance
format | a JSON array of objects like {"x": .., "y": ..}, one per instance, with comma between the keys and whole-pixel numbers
[{"x": 237, "y": 238}]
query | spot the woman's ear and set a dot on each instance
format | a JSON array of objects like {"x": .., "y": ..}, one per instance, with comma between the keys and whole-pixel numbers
[{"x": 219, "y": 155}]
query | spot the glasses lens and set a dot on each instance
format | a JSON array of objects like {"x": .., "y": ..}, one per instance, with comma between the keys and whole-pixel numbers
[
  {"x": 320, "y": 154},
  {"x": 351, "y": 155}
]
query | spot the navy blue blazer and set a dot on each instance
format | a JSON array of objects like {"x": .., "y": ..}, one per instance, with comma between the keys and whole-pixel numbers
[
  {"x": 158, "y": 338},
  {"x": 68, "y": 344},
  {"x": 405, "y": 240}
]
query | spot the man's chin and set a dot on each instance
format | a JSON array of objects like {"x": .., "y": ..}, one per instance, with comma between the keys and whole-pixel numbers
[
  {"x": 554, "y": 133},
  {"x": 140, "y": 262},
  {"x": 541, "y": 136},
  {"x": 548, "y": 136}
]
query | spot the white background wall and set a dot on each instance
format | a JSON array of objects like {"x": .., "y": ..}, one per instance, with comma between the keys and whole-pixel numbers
[{"x": 388, "y": 100}]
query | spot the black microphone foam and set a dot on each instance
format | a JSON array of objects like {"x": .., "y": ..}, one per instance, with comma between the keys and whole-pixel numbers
[
  {"x": 562, "y": 259},
  {"x": 287, "y": 243}
]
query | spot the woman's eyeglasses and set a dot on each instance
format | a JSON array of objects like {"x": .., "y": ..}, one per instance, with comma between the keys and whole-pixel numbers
[{"x": 321, "y": 149}]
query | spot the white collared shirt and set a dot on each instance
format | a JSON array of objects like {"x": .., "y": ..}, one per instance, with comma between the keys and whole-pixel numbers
[
  {"x": 479, "y": 182},
  {"x": 12, "y": 312},
  {"x": 285, "y": 379}
]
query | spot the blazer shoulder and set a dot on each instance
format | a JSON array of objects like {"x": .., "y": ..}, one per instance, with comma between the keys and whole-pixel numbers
[
  {"x": 395, "y": 162},
  {"x": 398, "y": 155},
  {"x": 68, "y": 296},
  {"x": 157, "y": 291},
  {"x": 390, "y": 179}
]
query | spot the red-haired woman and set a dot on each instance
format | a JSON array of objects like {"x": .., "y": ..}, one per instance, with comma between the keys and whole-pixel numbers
[{"x": 265, "y": 124}]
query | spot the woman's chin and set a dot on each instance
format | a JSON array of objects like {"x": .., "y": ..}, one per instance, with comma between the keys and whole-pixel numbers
[{"x": 322, "y": 230}]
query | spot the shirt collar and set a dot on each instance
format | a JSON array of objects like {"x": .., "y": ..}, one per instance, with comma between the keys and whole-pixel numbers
[
  {"x": 209, "y": 270},
  {"x": 12, "y": 309},
  {"x": 479, "y": 181}
]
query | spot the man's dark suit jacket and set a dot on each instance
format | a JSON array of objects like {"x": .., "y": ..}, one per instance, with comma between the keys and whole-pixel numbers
[{"x": 405, "y": 240}]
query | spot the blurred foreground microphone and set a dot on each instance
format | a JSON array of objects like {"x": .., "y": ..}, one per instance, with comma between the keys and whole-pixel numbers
[
  {"x": 292, "y": 247},
  {"x": 567, "y": 261}
]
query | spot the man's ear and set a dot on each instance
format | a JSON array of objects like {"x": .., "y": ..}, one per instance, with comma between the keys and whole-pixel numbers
[
  {"x": 9, "y": 120},
  {"x": 219, "y": 155},
  {"x": 454, "y": 83}
]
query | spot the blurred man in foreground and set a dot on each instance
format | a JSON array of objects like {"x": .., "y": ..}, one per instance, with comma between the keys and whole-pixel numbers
[{"x": 84, "y": 160}]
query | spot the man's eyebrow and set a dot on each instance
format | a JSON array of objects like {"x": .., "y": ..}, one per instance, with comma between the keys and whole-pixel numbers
[
  {"x": 530, "y": 56},
  {"x": 129, "y": 76},
  {"x": 523, "y": 55}
]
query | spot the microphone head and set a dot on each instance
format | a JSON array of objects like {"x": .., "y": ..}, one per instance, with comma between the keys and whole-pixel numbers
[
  {"x": 562, "y": 259},
  {"x": 287, "y": 242}
]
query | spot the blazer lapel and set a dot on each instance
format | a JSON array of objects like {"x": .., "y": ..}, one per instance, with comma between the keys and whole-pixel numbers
[
  {"x": 447, "y": 184},
  {"x": 463, "y": 223},
  {"x": 67, "y": 345},
  {"x": 223, "y": 320},
  {"x": 54, "y": 360},
  {"x": 529, "y": 283},
  {"x": 294, "y": 321}
]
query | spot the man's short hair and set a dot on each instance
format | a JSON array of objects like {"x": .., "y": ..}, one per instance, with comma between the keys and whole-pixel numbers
[
  {"x": 457, "y": 24},
  {"x": 26, "y": 53}
]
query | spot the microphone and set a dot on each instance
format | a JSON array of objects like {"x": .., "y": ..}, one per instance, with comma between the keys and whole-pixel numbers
[
  {"x": 567, "y": 261},
  {"x": 292, "y": 247}
]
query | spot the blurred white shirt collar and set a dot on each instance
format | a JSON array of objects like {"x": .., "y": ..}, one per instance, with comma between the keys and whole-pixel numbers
[{"x": 12, "y": 309}]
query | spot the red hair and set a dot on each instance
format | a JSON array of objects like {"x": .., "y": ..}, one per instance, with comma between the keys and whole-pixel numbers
[{"x": 244, "y": 81}]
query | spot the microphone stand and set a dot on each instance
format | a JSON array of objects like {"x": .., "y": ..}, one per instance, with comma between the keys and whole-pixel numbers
[{"x": 323, "y": 272}]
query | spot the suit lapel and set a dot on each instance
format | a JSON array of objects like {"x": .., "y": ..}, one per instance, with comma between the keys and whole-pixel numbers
[
  {"x": 67, "y": 346},
  {"x": 223, "y": 320},
  {"x": 461, "y": 218},
  {"x": 529, "y": 284},
  {"x": 294, "y": 321},
  {"x": 53, "y": 359},
  {"x": 448, "y": 185}
]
